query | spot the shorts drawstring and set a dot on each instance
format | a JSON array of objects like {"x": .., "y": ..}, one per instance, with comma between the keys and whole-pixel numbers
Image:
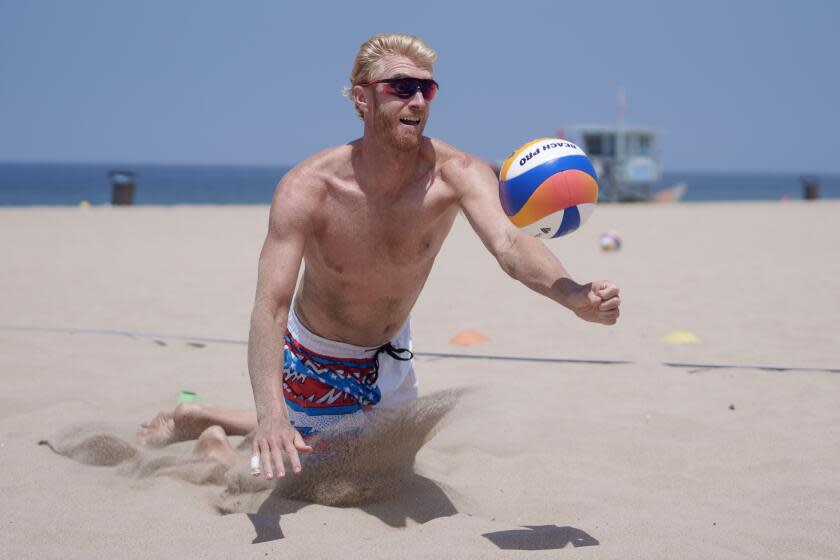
[{"x": 392, "y": 351}]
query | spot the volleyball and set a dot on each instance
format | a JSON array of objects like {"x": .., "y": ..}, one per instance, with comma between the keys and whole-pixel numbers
[{"x": 548, "y": 187}]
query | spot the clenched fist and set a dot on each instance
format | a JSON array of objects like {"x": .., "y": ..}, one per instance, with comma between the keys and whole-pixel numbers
[{"x": 596, "y": 302}]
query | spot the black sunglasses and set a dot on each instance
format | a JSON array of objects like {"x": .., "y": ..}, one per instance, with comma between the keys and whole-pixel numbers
[{"x": 405, "y": 88}]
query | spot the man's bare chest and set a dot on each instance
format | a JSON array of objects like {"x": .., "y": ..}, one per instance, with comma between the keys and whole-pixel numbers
[{"x": 359, "y": 237}]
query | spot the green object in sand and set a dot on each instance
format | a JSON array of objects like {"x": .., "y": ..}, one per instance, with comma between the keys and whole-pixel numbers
[{"x": 187, "y": 397}]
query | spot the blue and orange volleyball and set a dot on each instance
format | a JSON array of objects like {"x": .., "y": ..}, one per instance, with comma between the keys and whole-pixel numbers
[{"x": 548, "y": 187}]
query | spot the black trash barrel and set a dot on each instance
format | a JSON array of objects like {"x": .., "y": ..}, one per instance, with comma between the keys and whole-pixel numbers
[
  {"x": 122, "y": 187},
  {"x": 810, "y": 187}
]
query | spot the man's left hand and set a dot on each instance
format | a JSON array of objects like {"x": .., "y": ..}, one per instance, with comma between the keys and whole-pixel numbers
[{"x": 596, "y": 302}]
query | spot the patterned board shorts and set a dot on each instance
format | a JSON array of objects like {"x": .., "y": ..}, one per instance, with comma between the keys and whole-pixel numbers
[{"x": 328, "y": 385}]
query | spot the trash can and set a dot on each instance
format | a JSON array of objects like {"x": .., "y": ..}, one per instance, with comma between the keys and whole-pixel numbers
[
  {"x": 810, "y": 187},
  {"x": 122, "y": 187}
]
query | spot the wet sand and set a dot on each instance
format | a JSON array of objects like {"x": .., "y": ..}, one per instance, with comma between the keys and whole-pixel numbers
[{"x": 605, "y": 442}]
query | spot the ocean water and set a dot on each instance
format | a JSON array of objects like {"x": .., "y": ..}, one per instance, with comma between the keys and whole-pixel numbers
[{"x": 30, "y": 184}]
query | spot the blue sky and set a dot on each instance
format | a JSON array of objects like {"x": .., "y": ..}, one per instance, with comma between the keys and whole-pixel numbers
[{"x": 737, "y": 86}]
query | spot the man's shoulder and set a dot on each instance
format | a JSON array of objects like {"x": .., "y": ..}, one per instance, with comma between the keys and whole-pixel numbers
[
  {"x": 322, "y": 165},
  {"x": 309, "y": 178},
  {"x": 457, "y": 166}
]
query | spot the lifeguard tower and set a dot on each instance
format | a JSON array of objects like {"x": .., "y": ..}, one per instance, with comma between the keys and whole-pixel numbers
[{"x": 625, "y": 158}]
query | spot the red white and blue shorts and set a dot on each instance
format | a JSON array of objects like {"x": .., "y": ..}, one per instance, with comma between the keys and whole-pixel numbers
[{"x": 328, "y": 385}]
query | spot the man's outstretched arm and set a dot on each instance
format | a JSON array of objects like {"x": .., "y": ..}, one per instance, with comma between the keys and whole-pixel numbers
[
  {"x": 290, "y": 222},
  {"x": 521, "y": 256}
]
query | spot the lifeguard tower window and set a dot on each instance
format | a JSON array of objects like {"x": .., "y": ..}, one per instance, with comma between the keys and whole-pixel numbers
[
  {"x": 644, "y": 145},
  {"x": 600, "y": 144}
]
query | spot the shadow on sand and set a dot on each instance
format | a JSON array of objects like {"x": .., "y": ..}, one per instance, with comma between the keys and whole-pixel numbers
[
  {"x": 418, "y": 499},
  {"x": 541, "y": 537}
]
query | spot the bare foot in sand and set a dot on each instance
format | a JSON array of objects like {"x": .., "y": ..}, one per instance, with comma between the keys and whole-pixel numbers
[
  {"x": 190, "y": 420},
  {"x": 158, "y": 431},
  {"x": 213, "y": 444}
]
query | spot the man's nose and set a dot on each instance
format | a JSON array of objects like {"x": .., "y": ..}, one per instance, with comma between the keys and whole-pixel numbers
[{"x": 417, "y": 100}]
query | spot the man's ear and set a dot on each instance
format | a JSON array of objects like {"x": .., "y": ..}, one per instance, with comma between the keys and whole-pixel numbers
[{"x": 360, "y": 98}]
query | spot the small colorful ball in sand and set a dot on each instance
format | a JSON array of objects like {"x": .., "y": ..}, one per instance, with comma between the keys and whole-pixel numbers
[{"x": 609, "y": 241}]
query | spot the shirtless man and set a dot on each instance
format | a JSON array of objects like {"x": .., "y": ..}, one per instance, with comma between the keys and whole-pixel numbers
[{"x": 368, "y": 219}]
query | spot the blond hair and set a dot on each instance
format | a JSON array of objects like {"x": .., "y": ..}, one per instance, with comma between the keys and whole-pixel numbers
[{"x": 379, "y": 46}]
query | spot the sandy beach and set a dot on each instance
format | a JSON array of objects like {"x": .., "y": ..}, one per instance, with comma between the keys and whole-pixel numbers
[{"x": 606, "y": 443}]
